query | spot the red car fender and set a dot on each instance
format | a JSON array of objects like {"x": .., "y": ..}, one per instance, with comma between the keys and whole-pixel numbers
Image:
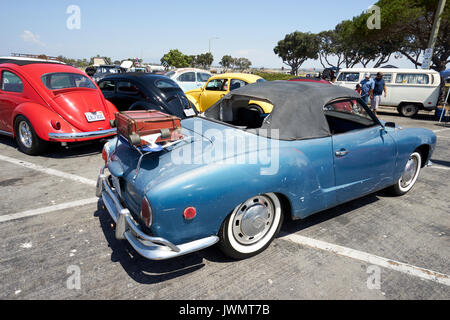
[
  {"x": 40, "y": 118},
  {"x": 111, "y": 108}
]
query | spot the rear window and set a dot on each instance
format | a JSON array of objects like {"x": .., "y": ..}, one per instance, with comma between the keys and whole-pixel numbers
[
  {"x": 165, "y": 84},
  {"x": 261, "y": 80},
  {"x": 203, "y": 77},
  {"x": 62, "y": 80}
]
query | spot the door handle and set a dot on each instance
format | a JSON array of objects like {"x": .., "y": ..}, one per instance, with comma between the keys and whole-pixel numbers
[{"x": 341, "y": 153}]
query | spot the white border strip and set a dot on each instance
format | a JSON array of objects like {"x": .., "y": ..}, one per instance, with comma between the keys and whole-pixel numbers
[
  {"x": 438, "y": 167},
  {"x": 53, "y": 172},
  {"x": 35, "y": 212},
  {"x": 370, "y": 258},
  {"x": 440, "y": 130}
]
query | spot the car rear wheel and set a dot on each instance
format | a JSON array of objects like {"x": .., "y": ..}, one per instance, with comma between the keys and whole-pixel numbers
[
  {"x": 408, "y": 110},
  {"x": 251, "y": 227},
  {"x": 26, "y": 138},
  {"x": 409, "y": 175}
]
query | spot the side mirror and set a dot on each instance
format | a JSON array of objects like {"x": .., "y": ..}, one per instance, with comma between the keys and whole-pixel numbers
[{"x": 390, "y": 124}]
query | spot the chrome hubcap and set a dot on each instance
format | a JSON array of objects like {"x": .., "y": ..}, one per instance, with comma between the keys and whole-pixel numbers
[
  {"x": 25, "y": 134},
  {"x": 410, "y": 172},
  {"x": 253, "y": 220}
]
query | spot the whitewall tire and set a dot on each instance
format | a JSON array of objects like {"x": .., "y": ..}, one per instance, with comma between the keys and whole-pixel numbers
[
  {"x": 409, "y": 175},
  {"x": 251, "y": 227}
]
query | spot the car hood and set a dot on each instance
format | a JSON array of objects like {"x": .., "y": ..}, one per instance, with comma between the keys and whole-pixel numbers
[{"x": 73, "y": 104}]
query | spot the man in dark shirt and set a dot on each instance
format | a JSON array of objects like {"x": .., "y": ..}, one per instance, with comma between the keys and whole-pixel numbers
[{"x": 378, "y": 88}]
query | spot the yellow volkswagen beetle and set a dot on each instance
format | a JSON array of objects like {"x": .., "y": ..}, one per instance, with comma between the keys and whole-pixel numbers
[{"x": 219, "y": 85}]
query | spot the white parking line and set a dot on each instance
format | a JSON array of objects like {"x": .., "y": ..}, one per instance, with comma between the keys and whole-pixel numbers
[
  {"x": 53, "y": 172},
  {"x": 35, "y": 212},
  {"x": 440, "y": 130},
  {"x": 438, "y": 167},
  {"x": 370, "y": 258}
]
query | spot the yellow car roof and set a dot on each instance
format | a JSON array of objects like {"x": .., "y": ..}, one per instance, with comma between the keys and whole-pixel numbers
[{"x": 240, "y": 76}]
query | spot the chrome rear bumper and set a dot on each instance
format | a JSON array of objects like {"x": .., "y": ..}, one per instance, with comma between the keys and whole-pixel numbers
[
  {"x": 82, "y": 135},
  {"x": 154, "y": 248}
]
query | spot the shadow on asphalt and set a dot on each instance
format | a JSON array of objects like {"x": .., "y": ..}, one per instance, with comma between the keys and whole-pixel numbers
[
  {"x": 56, "y": 151},
  {"x": 142, "y": 270},
  {"x": 441, "y": 162},
  {"x": 340, "y": 211},
  {"x": 146, "y": 271}
]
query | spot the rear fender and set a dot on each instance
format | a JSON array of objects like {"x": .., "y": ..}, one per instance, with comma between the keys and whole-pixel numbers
[{"x": 40, "y": 118}]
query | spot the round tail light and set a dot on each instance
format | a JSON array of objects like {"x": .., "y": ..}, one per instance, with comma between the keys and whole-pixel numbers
[
  {"x": 56, "y": 125},
  {"x": 189, "y": 213}
]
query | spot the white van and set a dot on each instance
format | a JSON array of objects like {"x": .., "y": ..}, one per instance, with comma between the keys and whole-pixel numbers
[{"x": 410, "y": 90}]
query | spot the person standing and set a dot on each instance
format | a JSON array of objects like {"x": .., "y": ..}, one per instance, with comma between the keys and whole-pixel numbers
[
  {"x": 367, "y": 86},
  {"x": 378, "y": 88}
]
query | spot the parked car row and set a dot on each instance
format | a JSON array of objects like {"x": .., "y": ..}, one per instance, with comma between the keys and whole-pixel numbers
[{"x": 329, "y": 148}]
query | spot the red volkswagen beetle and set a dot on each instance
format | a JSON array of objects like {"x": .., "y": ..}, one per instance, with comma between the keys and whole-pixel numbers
[{"x": 43, "y": 101}]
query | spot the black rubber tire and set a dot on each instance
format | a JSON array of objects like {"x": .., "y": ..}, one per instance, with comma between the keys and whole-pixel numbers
[
  {"x": 226, "y": 246},
  {"x": 37, "y": 146},
  {"x": 408, "y": 110},
  {"x": 396, "y": 189},
  {"x": 256, "y": 107}
]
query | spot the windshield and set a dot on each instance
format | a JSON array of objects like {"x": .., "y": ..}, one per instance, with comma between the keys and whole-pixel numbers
[{"x": 62, "y": 80}]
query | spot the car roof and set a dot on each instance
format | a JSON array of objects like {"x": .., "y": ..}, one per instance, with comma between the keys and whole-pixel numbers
[
  {"x": 387, "y": 70},
  {"x": 298, "y": 106},
  {"x": 26, "y": 61},
  {"x": 136, "y": 76},
  {"x": 180, "y": 70},
  {"x": 240, "y": 76}
]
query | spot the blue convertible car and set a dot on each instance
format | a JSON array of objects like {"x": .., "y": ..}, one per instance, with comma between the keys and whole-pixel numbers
[{"x": 237, "y": 173}]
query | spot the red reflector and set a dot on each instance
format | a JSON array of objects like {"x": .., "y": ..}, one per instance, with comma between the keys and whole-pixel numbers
[
  {"x": 104, "y": 155},
  {"x": 189, "y": 213},
  {"x": 145, "y": 212}
]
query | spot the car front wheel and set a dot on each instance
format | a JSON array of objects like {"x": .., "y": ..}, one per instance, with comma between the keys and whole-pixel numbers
[
  {"x": 409, "y": 175},
  {"x": 26, "y": 138},
  {"x": 251, "y": 227}
]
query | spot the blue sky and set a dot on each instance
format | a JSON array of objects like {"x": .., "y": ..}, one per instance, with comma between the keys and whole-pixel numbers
[{"x": 148, "y": 29}]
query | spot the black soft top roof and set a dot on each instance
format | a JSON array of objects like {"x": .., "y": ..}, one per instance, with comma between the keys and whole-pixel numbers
[
  {"x": 21, "y": 62},
  {"x": 298, "y": 106}
]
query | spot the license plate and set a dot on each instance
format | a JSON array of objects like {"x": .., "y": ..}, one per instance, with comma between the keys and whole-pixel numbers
[
  {"x": 94, "y": 116},
  {"x": 189, "y": 112}
]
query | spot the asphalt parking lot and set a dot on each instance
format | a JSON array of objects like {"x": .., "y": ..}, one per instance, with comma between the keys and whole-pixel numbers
[{"x": 50, "y": 224}]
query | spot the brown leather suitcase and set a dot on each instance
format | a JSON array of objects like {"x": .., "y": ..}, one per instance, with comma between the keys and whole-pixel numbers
[{"x": 133, "y": 125}]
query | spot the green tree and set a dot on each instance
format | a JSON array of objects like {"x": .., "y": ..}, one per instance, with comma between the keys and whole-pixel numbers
[
  {"x": 175, "y": 58},
  {"x": 296, "y": 48},
  {"x": 204, "y": 60},
  {"x": 227, "y": 61},
  {"x": 242, "y": 63}
]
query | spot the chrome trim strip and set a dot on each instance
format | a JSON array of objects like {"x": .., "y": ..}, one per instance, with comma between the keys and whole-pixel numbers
[
  {"x": 82, "y": 135},
  {"x": 6, "y": 133},
  {"x": 154, "y": 248}
]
